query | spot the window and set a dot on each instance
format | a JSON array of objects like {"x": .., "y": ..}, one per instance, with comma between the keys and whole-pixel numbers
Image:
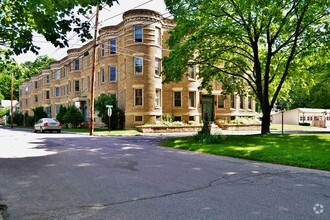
[
  {"x": 177, "y": 99},
  {"x": 113, "y": 46},
  {"x": 47, "y": 79},
  {"x": 158, "y": 35},
  {"x": 177, "y": 118},
  {"x": 36, "y": 98},
  {"x": 192, "y": 99},
  {"x": 76, "y": 85},
  {"x": 57, "y": 74},
  {"x": 48, "y": 111},
  {"x": 191, "y": 118},
  {"x": 138, "y": 64},
  {"x": 26, "y": 90},
  {"x": 249, "y": 102},
  {"x": 138, "y": 97},
  {"x": 27, "y": 102},
  {"x": 138, "y": 32},
  {"x": 232, "y": 101},
  {"x": 47, "y": 94},
  {"x": 102, "y": 76},
  {"x": 67, "y": 68},
  {"x": 191, "y": 72},
  {"x": 76, "y": 64},
  {"x": 57, "y": 109},
  {"x": 241, "y": 102},
  {"x": 158, "y": 98},
  {"x": 138, "y": 118},
  {"x": 102, "y": 50},
  {"x": 157, "y": 67},
  {"x": 57, "y": 91},
  {"x": 221, "y": 101},
  {"x": 35, "y": 84},
  {"x": 112, "y": 74}
]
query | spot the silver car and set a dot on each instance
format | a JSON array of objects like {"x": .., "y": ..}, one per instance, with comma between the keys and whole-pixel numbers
[{"x": 47, "y": 124}]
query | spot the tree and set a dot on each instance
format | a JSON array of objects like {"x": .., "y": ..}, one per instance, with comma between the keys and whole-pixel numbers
[
  {"x": 246, "y": 43},
  {"x": 30, "y": 69},
  {"x": 60, "y": 115},
  {"x": 73, "y": 116},
  {"x": 51, "y": 19},
  {"x": 117, "y": 119},
  {"x": 38, "y": 113}
]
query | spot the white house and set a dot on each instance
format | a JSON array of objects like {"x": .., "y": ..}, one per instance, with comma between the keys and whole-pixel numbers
[
  {"x": 7, "y": 104},
  {"x": 316, "y": 117}
]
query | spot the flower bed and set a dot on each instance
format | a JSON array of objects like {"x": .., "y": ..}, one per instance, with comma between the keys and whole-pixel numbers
[{"x": 168, "y": 129}]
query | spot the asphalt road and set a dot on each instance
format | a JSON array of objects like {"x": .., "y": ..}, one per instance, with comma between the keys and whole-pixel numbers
[{"x": 67, "y": 176}]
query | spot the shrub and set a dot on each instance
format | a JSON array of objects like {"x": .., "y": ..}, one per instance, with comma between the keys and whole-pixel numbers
[
  {"x": 38, "y": 113},
  {"x": 208, "y": 138},
  {"x": 304, "y": 124},
  {"x": 61, "y": 113},
  {"x": 18, "y": 119},
  {"x": 117, "y": 119},
  {"x": 73, "y": 116}
]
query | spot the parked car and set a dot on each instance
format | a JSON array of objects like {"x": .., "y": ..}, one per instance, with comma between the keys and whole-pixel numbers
[{"x": 47, "y": 124}]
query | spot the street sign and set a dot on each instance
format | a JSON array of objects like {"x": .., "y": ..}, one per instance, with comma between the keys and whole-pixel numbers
[
  {"x": 108, "y": 106},
  {"x": 109, "y": 112}
]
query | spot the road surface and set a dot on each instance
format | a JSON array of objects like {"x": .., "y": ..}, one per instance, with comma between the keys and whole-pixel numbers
[{"x": 68, "y": 176}]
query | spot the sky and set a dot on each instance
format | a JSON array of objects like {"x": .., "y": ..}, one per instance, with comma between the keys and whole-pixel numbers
[{"x": 107, "y": 16}]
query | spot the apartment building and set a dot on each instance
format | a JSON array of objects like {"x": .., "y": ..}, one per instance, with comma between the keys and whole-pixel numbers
[{"x": 129, "y": 65}]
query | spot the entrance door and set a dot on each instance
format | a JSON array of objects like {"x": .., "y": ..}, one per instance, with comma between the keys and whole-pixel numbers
[{"x": 207, "y": 107}]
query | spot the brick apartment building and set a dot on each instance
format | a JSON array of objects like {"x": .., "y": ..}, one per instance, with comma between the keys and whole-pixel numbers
[{"x": 128, "y": 66}]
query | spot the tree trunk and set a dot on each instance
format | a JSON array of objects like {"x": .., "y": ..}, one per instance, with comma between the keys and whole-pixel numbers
[{"x": 265, "y": 125}]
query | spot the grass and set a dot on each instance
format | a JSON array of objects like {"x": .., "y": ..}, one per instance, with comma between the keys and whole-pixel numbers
[
  {"x": 291, "y": 127},
  {"x": 97, "y": 131},
  {"x": 301, "y": 150}
]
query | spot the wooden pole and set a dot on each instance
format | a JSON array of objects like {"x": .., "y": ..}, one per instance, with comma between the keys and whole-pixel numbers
[{"x": 91, "y": 124}]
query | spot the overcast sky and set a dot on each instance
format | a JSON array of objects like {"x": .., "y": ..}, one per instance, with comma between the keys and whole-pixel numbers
[{"x": 108, "y": 16}]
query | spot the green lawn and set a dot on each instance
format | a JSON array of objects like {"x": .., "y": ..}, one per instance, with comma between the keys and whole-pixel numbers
[{"x": 301, "y": 150}]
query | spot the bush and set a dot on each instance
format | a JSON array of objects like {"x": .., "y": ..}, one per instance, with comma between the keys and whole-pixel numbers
[
  {"x": 117, "y": 119},
  {"x": 208, "y": 138},
  {"x": 61, "y": 113},
  {"x": 18, "y": 119},
  {"x": 73, "y": 116},
  {"x": 305, "y": 124},
  {"x": 39, "y": 113}
]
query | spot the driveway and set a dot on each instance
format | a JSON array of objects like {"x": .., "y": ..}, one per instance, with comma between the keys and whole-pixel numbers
[{"x": 67, "y": 176}]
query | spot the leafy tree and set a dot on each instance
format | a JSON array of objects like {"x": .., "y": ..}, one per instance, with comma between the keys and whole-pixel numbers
[
  {"x": 19, "y": 72},
  {"x": 51, "y": 19},
  {"x": 320, "y": 93},
  {"x": 4, "y": 111},
  {"x": 30, "y": 69},
  {"x": 73, "y": 116},
  {"x": 117, "y": 119},
  {"x": 60, "y": 115},
  {"x": 243, "y": 43},
  {"x": 38, "y": 113}
]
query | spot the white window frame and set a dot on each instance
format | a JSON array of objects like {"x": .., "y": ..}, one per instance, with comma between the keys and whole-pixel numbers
[
  {"x": 174, "y": 103},
  {"x": 138, "y": 40},
  {"x": 115, "y": 68},
  {"x": 135, "y": 66},
  {"x": 194, "y": 99},
  {"x": 112, "y": 50},
  {"x": 135, "y": 96},
  {"x": 158, "y": 98}
]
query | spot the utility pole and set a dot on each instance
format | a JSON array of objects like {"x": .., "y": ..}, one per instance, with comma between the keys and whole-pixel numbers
[
  {"x": 11, "y": 99},
  {"x": 91, "y": 123}
]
